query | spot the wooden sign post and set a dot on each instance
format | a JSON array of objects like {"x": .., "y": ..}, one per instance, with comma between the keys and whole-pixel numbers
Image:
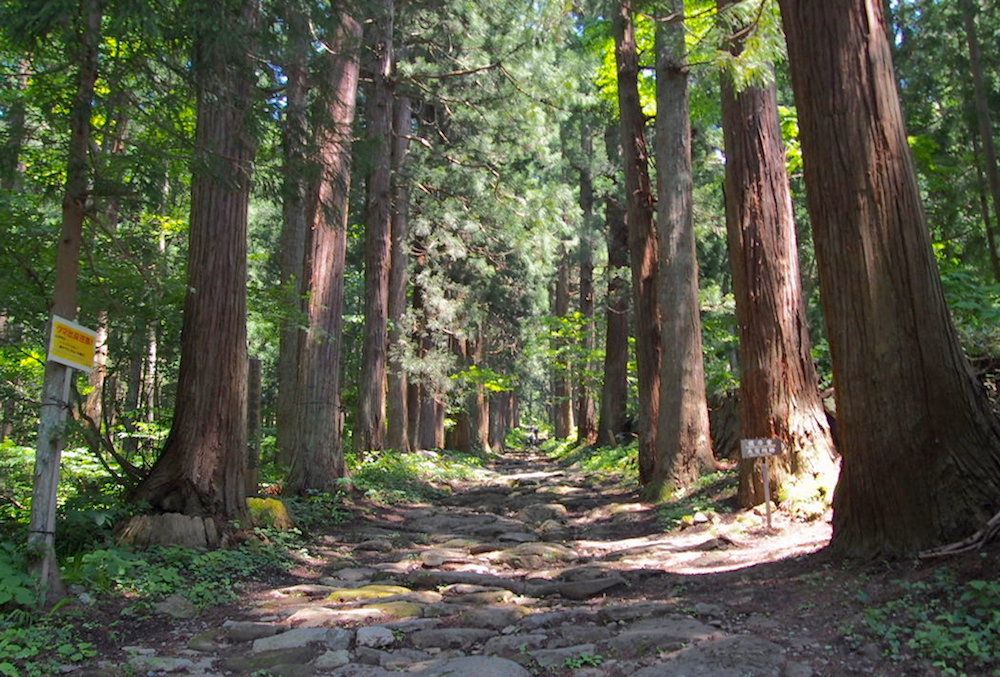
[
  {"x": 71, "y": 346},
  {"x": 762, "y": 448}
]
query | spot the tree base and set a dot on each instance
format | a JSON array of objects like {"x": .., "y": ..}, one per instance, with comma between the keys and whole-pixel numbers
[{"x": 170, "y": 528}]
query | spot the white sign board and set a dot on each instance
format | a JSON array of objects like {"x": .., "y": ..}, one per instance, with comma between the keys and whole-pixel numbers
[{"x": 760, "y": 448}]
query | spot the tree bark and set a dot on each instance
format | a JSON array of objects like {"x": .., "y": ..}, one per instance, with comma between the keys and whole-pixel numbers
[
  {"x": 562, "y": 401},
  {"x": 55, "y": 404},
  {"x": 371, "y": 396},
  {"x": 984, "y": 210},
  {"x": 779, "y": 393},
  {"x": 319, "y": 456},
  {"x": 683, "y": 442},
  {"x": 642, "y": 236},
  {"x": 253, "y": 426},
  {"x": 203, "y": 465},
  {"x": 294, "y": 228},
  {"x": 614, "y": 386},
  {"x": 586, "y": 413},
  {"x": 920, "y": 446},
  {"x": 398, "y": 412},
  {"x": 985, "y": 125}
]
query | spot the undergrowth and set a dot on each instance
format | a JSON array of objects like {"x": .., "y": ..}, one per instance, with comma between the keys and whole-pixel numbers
[
  {"x": 955, "y": 625},
  {"x": 712, "y": 493},
  {"x": 423, "y": 476},
  {"x": 616, "y": 464}
]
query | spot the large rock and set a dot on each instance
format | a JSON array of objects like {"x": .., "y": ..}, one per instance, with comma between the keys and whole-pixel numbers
[
  {"x": 476, "y": 666},
  {"x": 449, "y": 638},
  {"x": 534, "y": 555},
  {"x": 555, "y": 658},
  {"x": 724, "y": 657},
  {"x": 170, "y": 528},
  {"x": 177, "y": 606},
  {"x": 248, "y": 664},
  {"x": 247, "y": 631},
  {"x": 660, "y": 634},
  {"x": 510, "y": 646},
  {"x": 542, "y": 512},
  {"x": 375, "y": 636},
  {"x": 329, "y": 638},
  {"x": 322, "y": 617}
]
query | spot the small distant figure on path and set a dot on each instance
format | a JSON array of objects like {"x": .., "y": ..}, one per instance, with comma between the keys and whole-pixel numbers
[{"x": 533, "y": 437}]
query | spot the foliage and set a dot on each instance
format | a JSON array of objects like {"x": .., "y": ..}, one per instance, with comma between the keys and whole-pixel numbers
[
  {"x": 391, "y": 476},
  {"x": 712, "y": 493},
  {"x": 317, "y": 511},
  {"x": 584, "y": 660},
  {"x": 620, "y": 464},
  {"x": 954, "y": 624},
  {"x": 206, "y": 578},
  {"x": 38, "y": 645}
]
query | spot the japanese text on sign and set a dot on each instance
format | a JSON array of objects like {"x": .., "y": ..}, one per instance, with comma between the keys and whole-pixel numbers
[
  {"x": 72, "y": 344},
  {"x": 758, "y": 448}
]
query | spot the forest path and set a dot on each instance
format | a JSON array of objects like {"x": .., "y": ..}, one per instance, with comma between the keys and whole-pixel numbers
[{"x": 533, "y": 568}]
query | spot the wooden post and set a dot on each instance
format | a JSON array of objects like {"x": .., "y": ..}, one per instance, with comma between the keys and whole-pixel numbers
[
  {"x": 51, "y": 440},
  {"x": 767, "y": 492}
]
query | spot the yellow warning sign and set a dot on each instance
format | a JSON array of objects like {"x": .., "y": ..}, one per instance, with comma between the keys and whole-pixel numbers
[{"x": 72, "y": 344}]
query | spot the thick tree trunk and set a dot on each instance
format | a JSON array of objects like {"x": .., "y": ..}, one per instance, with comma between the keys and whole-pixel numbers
[
  {"x": 202, "y": 468},
  {"x": 683, "y": 442},
  {"x": 293, "y": 229},
  {"x": 562, "y": 399},
  {"x": 398, "y": 411},
  {"x": 378, "y": 226},
  {"x": 586, "y": 412},
  {"x": 985, "y": 124},
  {"x": 471, "y": 432},
  {"x": 55, "y": 391},
  {"x": 920, "y": 447},
  {"x": 319, "y": 456},
  {"x": 779, "y": 393},
  {"x": 642, "y": 236},
  {"x": 614, "y": 388}
]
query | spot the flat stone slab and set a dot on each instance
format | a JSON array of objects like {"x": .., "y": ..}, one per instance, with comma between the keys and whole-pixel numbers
[
  {"x": 552, "y": 658},
  {"x": 510, "y": 646},
  {"x": 329, "y": 638},
  {"x": 476, "y": 666},
  {"x": 247, "y": 631},
  {"x": 725, "y": 657},
  {"x": 449, "y": 638},
  {"x": 661, "y": 634}
]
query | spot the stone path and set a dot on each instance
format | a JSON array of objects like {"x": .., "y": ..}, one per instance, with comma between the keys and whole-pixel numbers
[{"x": 533, "y": 571}]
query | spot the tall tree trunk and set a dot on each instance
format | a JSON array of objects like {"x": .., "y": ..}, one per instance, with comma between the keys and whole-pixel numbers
[
  {"x": 779, "y": 393},
  {"x": 984, "y": 210},
  {"x": 11, "y": 162},
  {"x": 55, "y": 404},
  {"x": 683, "y": 441},
  {"x": 398, "y": 411},
  {"x": 294, "y": 227},
  {"x": 641, "y": 236},
  {"x": 378, "y": 215},
  {"x": 440, "y": 412},
  {"x": 114, "y": 145},
  {"x": 985, "y": 123},
  {"x": 920, "y": 447},
  {"x": 202, "y": 467},
  {"x": 614, "y": 388},
  {"x": 586, "y": 414},
  {"x": 253, "y": 426},
  {"x": 562, "y": 399},
  {"x": 319, "y": 459}
]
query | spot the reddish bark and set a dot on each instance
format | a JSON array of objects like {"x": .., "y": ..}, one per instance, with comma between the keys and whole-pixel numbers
[
  {"x": 642, "y": 236},
  {"x": 318, "y": 460},
  {"x": 201, "y": 470},
  {"x": 920, "y": 446}
]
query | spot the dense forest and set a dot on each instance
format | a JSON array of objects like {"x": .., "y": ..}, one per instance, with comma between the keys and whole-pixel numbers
[{"x": 324, "y": 246}]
